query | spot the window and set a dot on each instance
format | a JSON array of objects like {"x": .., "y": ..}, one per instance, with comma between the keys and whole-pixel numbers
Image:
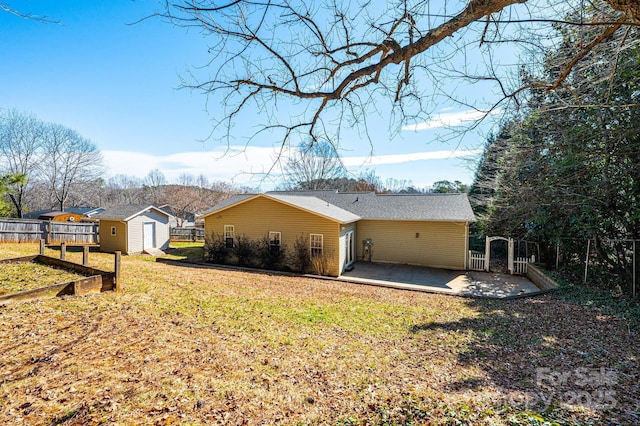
[
  {"x": 274, "y": 241},
  {"x": 315, "y": 244},
  {"x": 229, "y": 235},
  {"x": 113, "y": 231}
]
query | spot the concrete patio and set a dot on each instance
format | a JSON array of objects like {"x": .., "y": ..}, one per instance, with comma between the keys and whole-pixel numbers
[{"x": 459, "y": 283}]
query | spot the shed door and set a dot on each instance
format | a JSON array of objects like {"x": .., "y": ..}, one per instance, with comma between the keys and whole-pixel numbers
[{"x": 149, "y": 235}]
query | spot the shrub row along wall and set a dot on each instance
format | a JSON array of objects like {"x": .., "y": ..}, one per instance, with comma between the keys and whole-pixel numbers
[{"x": 261, "y": 254}]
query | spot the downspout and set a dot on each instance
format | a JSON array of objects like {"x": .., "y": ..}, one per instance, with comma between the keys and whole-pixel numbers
[{"x": 466, "y": 245}]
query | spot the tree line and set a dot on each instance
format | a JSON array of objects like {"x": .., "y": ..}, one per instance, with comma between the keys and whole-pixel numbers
[
  {"x": 566, "y": 165},
  {"x": 49, "y": 166}
]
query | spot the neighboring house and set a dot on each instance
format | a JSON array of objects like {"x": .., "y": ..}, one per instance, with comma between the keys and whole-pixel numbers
[
  {"x": 87, "y": 211},
  {"x": 71, "y": 214},
  {"x": 133, "y": 229},
  {"x": 54, "y": 216},
  {"x": 417, "y": 229}
]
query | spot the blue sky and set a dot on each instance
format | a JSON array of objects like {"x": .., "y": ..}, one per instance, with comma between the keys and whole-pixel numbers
[{"x": 117, "y": 84}]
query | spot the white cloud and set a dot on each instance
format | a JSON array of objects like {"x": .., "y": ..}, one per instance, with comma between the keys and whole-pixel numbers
[
  {"x": 450, "y": 119},
  {"x": 405, "y": 158},
  {"x": 240, "y": 165},
  {"x": 246, "y": 165}
]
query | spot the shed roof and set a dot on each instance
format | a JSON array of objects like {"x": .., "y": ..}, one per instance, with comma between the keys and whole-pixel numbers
[{"x": 128, "y": 212}]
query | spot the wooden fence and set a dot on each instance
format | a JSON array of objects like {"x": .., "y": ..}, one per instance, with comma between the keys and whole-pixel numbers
[
  {"x": 26, "y": 230},
  {"x": 187, "y": 234}
]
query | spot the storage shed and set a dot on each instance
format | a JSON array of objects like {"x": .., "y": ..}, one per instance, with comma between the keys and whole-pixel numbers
[{"x": 134, "y": 229}]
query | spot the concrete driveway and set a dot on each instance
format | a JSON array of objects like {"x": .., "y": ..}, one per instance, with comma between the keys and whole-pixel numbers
[{"x": 460, "y": 283}]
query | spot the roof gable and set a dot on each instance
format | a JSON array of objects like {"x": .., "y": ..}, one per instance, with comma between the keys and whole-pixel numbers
[
  {"x": 128, "y": 212},
  {"x": 311, "y": 205}
]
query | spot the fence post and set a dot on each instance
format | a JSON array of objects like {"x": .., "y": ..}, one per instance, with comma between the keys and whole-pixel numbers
[
  {"x": 116, "y": 268},
  {"x": 41, "y": 247},
  {"x": 85, "y": 255},
  {"x": 586, "y": 262},
  {"x": 63, "y": 250}
]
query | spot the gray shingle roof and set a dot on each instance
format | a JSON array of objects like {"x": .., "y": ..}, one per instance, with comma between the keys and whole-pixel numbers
[
  {"x": 430, "y": 207},
  {"x": 318, "y": 206},
  {"x": 126, "y": 212},
  {"x": 234, "y": 199},
  {"x": 309, "y": 203},
  {"x": 347, "y": 207}
]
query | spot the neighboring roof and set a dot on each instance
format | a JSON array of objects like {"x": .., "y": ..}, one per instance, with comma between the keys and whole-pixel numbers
[
  {"x": 128, "y": 212},
  {"x": 87, "y": 211},
  {"x": 369, "y": 205},
  {"x": 347, "y": 207},
  {"x": 311, "y": 204},
  {"x": 51, "y": 215}
]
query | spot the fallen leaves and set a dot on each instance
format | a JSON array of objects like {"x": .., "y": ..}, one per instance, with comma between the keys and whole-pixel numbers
[{"x": 229, "y": 347}]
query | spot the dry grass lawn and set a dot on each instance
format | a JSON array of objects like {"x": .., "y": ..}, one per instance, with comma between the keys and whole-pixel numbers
[
  {"x": 188, "y": 345},
  {"x": 16, "y": 277}
]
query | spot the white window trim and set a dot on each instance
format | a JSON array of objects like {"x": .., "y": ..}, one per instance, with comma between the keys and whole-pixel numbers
[
  {"x": 273, "y": 234},
  {"x": 229, "y": 232},
  {"x": 311, "y": 245}
]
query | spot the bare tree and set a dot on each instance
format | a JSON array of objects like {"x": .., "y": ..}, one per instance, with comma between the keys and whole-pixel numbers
[
  {"x": 339, "y": 61},
  {"x": 21, "y": 139},
  {"x": 67, "y": 159},
  {"x": 123, "y": 189},
  {"x": 154, "y": 183},
  {"x": 26, "y": 15},
  {"x": 313, "y": 166},
  {"x": 193, "y": 195}
]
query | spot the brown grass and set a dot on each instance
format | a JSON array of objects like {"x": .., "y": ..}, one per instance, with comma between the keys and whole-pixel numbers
[
  {"x": 190, "y": 345},
  {"x": 16, "y": 277}
]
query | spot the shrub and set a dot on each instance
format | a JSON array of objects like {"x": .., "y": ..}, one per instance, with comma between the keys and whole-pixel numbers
[
  {"x": 271, "y": 257},
  {"x": 215, "y": 249},
  {"x": 245, "y": 251},
  {"x": 300, "y": 260},
  {"x": 320, "y": 264}
]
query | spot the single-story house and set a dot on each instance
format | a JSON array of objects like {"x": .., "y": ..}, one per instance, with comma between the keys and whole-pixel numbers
[
  {"x": 55, "y": 216},
  {"x": 133, "y": 229},
  {"x": 417, "y": 229}
]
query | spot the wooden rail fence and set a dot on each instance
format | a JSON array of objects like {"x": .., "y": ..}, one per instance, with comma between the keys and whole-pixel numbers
[{"x": 26, "y": 230}]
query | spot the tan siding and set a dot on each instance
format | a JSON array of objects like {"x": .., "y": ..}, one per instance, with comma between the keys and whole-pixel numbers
[
  {"x": 256, "y": 217},
  {"x": 65, "y": 217},
  {"x": 438, "y": 244},
  {"x": 110, "y": 244}
]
